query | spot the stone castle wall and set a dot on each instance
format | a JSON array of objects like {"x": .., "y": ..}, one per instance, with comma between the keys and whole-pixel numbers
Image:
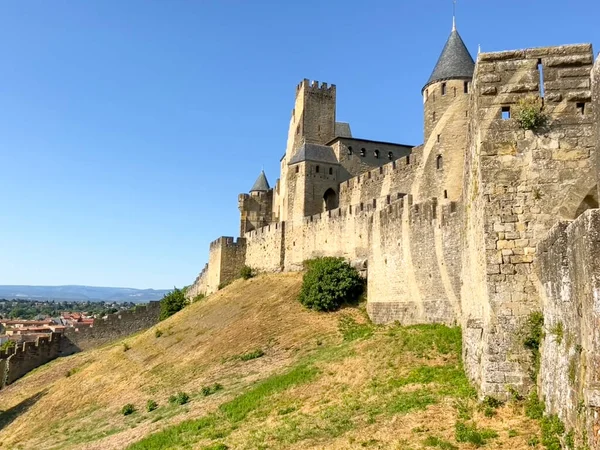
[
  {"x": 264, "y": 248},
  {"x": 110, "y": 328},
  {"x": 569, "y": 271},
  {"x": 519, "y": 185},
  {"x": 23, "y": 358},
  {"x": 450, "y": 233},
  {"x": 18, "y": 361}
]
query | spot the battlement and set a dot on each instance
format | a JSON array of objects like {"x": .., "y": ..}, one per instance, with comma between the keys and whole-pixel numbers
[
  {"x": 227, "y": 241},
  {"x": 263, "y": 230},
  {"x": 314, "y": 87},
  {"x": 558, "y": 75},
  {"x": 405, "y": 164}
]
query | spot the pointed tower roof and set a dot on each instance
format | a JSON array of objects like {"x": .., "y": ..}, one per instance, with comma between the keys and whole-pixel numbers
[
  {"x": 261, "y": 183},
  {"x": 455, "y": 62}
]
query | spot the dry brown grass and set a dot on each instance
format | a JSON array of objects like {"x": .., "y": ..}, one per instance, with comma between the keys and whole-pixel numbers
[{"x": 199, "y": 347}]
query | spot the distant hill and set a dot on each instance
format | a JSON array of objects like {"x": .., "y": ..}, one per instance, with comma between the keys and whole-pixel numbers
[{"x": 81, "y": 293}]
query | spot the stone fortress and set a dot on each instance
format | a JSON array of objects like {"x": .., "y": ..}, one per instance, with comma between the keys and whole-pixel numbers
[{"x": 482, "y": 225}]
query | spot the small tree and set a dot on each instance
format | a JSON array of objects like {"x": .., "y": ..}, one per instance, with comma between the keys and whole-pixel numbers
[
  {"x": 328, "y": 283},
  {"x": 172, "y": 302}
]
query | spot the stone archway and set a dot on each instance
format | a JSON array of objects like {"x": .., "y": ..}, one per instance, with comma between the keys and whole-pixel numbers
[{"x": 330, "y": 200}]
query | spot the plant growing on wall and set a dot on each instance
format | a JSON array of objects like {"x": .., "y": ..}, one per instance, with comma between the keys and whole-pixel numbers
[
  {"x": 328, "y": 283},
  {"x": 529, "y": 113}
]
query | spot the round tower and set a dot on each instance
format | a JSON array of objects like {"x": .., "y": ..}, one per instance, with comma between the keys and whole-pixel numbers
[{"x": 450, "y": 80}]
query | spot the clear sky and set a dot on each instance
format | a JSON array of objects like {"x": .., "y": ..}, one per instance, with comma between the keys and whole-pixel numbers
[{"x": 129, "y": 127}]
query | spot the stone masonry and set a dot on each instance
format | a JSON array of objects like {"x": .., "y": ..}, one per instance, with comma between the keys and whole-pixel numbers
[{"x": 482, "y": 225}]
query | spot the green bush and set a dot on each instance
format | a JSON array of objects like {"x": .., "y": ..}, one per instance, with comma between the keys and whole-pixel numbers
[
  {"x": 172, "y": 302},
  {"x": 126, "y": 346},
  {"x": 198, "y": 297},
  {"x": 180, "y": 399},
  {"x": 127, "y": 409},
  {"x": 151, "y": 405},
  {"x": 209, "y": 390},
  {"x": 529, "y": 113},
  {"x": 534, "y": 408},
  {"x": 158, "y": 333},
  {"x": 7, "y": 345},
  {"x": 328, "y": 283},
  {"x": 246, "y": 273}
]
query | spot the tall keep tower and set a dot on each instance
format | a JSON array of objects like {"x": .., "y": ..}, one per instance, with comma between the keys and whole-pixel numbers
[{"x": 450, "y": 80}]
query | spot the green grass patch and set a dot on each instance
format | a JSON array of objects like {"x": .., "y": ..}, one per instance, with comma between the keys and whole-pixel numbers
[
  {"x": 352, "y": 330},
  {"x": 425, "y": 340},
  {"x": 405, "y": 402},
  {"x": 251, "y": 355},
  {"x": 468, "y": 432},
  {"x": 434, "y": 441},
  {"x": 238, "y": 408}
]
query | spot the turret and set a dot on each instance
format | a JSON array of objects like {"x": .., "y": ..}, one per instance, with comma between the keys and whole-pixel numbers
[
  {"x": 256, "y": 208},
  {"x": 450, "y": 79}
]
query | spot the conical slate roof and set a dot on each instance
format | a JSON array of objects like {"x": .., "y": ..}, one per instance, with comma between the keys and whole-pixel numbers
[
  {"x": 455, "y": 62},
  {"x": 261, "y": 183}
]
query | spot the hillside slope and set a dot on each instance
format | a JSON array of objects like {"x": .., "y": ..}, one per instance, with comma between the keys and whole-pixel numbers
[{"x": 324, "y": 381}]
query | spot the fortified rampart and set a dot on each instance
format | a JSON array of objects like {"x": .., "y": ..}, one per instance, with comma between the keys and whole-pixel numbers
[
  {"x": 569, "y": 271},
  {"x": 518, "y": 184},
  {"x": 16, "y": 362},
  {"x": 459, "y": 230},
  {"x": 110, "y": 328}
]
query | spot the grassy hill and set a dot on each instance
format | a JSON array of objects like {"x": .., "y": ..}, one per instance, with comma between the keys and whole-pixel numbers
[{"x": 262, "y": 372}]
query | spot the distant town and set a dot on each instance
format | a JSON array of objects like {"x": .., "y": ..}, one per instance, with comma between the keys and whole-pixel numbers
[{"x": 26, "y": 320}]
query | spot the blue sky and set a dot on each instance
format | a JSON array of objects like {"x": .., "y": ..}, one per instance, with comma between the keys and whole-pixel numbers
[{"x": 128, "y": 128}]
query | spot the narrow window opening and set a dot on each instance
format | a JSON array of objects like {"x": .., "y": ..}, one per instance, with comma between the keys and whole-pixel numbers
[
  {"x": 407, "y": 160},
  {"x": 317, "y": 169},
  {"x": 505, "y": 112},
  {"x": 363, "y": 152},
  {"x": 455, "y": 92},
  {"x": 445, "y": 193},
  {"x": 439, "y": 162},
  {"x": 540, "y": 68},
  {"x": 466, "y": 87},
  {"x": 376, "y": 153},
  {"x": 426, "y": 94},
  {"x": 388, "y": 199},
  {"x": 438, "y": 138},
  {"x": 381, "y": 170},
  {"x": 362, "y": 207},
  {"x": 349, "y": 150},
  {"x": 390, "y": 156},
  {"x": 330, "y": 171},
  {"x": 298, "y": 129},
  {"x": 350, "y": 209},
  {"x": 433, "y": 116},
  {"x": 393, "y": 164},
  {"x": 466, "y": 113},
  {"x": 297, "y": 169},
  {"x": 369, "y": 175},
  {"x": 443, "y": 88},
  {"x": 581, "y": 108},
  {"x": 374, "y": 203}
]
